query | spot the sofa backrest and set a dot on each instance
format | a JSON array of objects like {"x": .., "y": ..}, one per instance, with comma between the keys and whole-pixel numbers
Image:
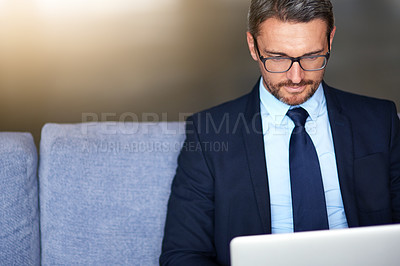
[
  {"x": 104, "y": 189},
  {"x": 19, "y": 215}
]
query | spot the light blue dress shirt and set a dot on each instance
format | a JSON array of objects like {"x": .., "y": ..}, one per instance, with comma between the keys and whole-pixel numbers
[{"x": 277, "y": 128}]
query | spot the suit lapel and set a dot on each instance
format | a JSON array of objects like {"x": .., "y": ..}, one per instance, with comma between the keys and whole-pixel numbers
[
  {"x": 343, "y": 144},
  {"x": 254, "y": 144}
]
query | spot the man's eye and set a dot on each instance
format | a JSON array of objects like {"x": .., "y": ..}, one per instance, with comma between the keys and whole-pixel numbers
[{"x": 311, "y": 58}]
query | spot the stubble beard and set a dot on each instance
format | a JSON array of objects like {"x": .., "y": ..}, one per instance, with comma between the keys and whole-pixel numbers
[{"x": 294, "y": 98}]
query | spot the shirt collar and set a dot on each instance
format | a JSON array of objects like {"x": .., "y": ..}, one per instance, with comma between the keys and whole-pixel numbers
[
  {"x": 277, "y": 109},
  {"x": 315, "y": 104}
]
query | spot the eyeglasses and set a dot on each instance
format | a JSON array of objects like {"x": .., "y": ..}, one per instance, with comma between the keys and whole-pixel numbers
[{"x": 283, "y": 64}]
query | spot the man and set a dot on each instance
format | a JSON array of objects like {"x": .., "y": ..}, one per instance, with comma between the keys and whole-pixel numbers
[{"x": 300, "y": 155}]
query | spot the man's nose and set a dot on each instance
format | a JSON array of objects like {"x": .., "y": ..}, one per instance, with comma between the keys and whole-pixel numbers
[{"x": 295, "y": 73}]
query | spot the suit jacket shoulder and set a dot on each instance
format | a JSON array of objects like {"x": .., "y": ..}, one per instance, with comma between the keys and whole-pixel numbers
[{"x": 357, "y": 106}]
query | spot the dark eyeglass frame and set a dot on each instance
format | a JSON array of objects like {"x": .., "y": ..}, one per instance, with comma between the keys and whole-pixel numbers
[{"x": 293, "y": 59}]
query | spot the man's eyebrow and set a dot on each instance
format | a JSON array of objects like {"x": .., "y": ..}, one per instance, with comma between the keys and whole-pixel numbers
[
  {"x": 314, "y": 52},
  {"x": 275, "y": 53}
]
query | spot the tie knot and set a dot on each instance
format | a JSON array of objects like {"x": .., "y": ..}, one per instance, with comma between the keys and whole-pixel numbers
[{"x": 298, "y": 116}]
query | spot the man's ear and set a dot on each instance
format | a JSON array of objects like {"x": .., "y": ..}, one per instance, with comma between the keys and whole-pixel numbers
[
  {"x": 331, "y": 36},
  {"x": 252, "y": 48}
]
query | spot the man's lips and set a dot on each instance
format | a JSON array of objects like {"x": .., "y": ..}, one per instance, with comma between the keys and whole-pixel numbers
[{"x": 295, "y": 89}]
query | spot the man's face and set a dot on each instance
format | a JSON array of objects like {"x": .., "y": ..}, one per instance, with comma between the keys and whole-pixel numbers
[{"x": 287, "y": 39}]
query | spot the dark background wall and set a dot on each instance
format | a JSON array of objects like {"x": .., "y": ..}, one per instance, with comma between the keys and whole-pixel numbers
[{"x": 68, "y": 61}]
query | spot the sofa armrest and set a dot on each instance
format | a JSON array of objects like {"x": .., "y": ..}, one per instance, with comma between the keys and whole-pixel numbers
[{"x": 19, "y": 215}]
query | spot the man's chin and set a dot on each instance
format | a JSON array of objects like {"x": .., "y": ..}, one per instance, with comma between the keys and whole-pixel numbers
[{"x": 296, "y": 98}]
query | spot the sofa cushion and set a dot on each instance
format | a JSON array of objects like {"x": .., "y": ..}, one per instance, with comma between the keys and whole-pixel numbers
[
  {"x": 104, "y": 189},
  {"x": 19, "y": 216}
]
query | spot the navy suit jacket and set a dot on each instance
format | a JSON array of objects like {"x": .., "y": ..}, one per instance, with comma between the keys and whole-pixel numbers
[{"x": 220, "y": 190}]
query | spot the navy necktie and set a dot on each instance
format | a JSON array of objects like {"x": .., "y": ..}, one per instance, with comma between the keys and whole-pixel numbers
[{"x": 308, "y": 197}]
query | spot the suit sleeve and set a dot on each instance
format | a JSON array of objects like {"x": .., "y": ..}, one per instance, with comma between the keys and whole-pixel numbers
[
  {"x": 189, "y": 228},
  {"x": 395, "y": 165}
]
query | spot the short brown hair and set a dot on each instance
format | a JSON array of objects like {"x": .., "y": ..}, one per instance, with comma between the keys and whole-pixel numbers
[{"x": 291, "y": 11}]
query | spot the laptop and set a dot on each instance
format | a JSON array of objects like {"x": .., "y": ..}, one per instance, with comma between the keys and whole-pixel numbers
[{"x": 373, "y": 245}]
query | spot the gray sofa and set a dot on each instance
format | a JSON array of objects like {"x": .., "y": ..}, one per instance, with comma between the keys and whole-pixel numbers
[
  {"x": 99, "y": 190},
  {"x": 97, "y": 195}
]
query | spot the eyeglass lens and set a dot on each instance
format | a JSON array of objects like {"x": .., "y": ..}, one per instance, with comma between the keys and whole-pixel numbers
[{"x": 309, "y": 63}]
